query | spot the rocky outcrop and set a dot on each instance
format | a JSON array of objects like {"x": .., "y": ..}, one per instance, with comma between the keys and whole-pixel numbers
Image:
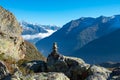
[
  {"x": 115, "y": 75},
  {"x": 11, "y": 42},
  {"x": 72, "y": 67},
  {"x": 3, "y": 70},
  {"x": 98, "y": 73},
  {"x": 75, "y": 68}
]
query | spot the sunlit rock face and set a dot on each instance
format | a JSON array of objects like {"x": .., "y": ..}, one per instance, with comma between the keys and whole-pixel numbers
[{"x": 11, "y": 42}]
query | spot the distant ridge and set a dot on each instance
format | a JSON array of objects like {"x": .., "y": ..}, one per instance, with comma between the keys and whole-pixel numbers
[
  {"x": 34, "y": 32},
  {"x": 77, "y": 33},
  {"x": 106, "y": 48}
]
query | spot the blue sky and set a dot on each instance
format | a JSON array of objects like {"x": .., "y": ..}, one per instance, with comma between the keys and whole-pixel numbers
[{"x": 59, "y": 12}]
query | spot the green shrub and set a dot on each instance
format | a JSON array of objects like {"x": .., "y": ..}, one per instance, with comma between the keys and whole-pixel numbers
[{"x": 2, "y": 56}]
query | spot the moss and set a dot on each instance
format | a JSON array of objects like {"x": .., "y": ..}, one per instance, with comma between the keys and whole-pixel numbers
[
  {"x": 22, "y": 61},
  {"x": 2, "y": 56},
  {"x": 25, "y": 71}
]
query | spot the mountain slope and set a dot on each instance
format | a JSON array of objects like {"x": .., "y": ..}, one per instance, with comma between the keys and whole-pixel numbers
[
  {"x": 77, "y": 33},
  {"x": 32, "y": 53},
  {"x": 106, "y": 48}
]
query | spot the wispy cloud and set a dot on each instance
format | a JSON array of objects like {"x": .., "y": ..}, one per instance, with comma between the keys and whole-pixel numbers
[{"x": 39, "y": 35}]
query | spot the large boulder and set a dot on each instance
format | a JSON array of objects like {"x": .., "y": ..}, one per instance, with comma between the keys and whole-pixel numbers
[
  {"x": 3, "y": 70},
  {"x": 11, "y": 42},
  {"x": 98, "y": 73}
]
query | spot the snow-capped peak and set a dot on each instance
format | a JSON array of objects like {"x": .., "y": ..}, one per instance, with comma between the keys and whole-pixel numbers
[{"x": 35, "y": 32}]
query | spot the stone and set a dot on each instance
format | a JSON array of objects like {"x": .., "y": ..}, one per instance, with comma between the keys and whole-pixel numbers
[
  {"x": 98, "y": 73},
  {"x": 3, "y": 70},
  {"x": 36, "y": 66},
  {"x": 115, "y": 75},
  {"x": 40, "y": 76},
  {"x": 48, "y": 76},
  {"x": 17, "y": 76}
]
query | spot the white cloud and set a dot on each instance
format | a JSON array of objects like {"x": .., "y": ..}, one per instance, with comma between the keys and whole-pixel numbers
[{"x": 39, "y": 35}]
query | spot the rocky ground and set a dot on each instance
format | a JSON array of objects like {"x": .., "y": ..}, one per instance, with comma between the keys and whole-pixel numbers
[
  {"x": 59, "y": 67},
  {"x": 20, "y": 60}
]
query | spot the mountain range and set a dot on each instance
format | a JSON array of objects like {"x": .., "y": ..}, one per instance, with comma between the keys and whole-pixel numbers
[
  {"x": 34, "y": 32},
  {"x": 77, "y": 37}
]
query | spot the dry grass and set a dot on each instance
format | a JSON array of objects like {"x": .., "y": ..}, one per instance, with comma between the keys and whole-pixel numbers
[{"x": 32, "y": 53}]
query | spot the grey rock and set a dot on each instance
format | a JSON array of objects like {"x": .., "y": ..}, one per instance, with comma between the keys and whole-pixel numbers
[
  {"x": 17, "y": 76},
  {"x": 71, "y": 66},
  {"x": 96, "y": 77},
  {"x": 115, "y": 75},
  {"x": 36, "y": 66},
  {"x": 42, "y": 76},
  {"x": 98, "y": 73},
  {"x": 3, "y": 70},
  {"x": 50, "y": 76}
]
